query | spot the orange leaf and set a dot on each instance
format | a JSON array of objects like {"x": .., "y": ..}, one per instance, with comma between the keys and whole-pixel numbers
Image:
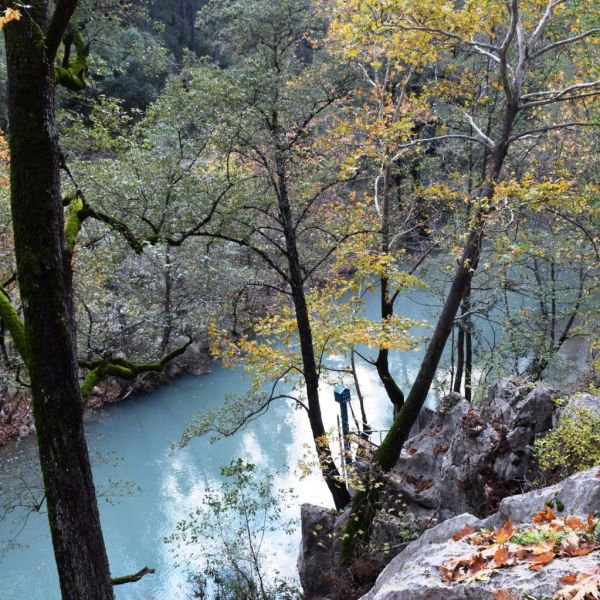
[
  {"x": 575, "y": 523},
  {"x": 544, "y": 516},
  {"x": 540, "y": 560},
  {"x": 501, "y": 557},
  {"x": 505, "y": 533},
  {"x": 477, "y": 564},
  {"x": 503, "y": 594},
  {"x": 568, "y": 579},
  {"x": 464, "y": 532},
  {"x": 581, "y": 551},
  {"x": 536, "y": 567}
]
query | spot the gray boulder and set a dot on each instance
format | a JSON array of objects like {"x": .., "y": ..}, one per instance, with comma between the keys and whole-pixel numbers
[
  {"x": 316, "y": 558},
  {"x": 579, "y": 493},
  {"x": 467, "y": 459},
  {"x": 415, "y": 573}
]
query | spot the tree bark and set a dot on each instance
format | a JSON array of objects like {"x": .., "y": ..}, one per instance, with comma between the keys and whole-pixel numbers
[
  {"x": 389, "y": 451},
  {"x": 387, "y": 454},
  {"x": 331, "y": 474},
  {"x": 167, "y": 301},
  {"x": 382, "y": 364},
  {"x": 460, "y": 359},
  {"x": 45, "y": 284}
]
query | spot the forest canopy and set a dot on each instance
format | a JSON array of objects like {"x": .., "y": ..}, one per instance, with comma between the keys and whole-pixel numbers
[{"x": 233, "y": 181}]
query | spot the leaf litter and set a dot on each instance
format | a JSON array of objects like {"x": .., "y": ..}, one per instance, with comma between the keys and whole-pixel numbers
[{"x": 536, "y": 544}]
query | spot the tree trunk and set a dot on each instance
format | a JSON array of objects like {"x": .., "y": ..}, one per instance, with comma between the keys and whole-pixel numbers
[
  {"x": 468, "y": 344},
  {"x": 45, "y": 284},
  {"x": 468, "y": 365},
  {"x": 392, "y": 389},
  {"x": 167, "y": 301},
  {"x": 387, "y": 454},
  {"x": 389, "y": 451},
  {"x": 330, "y": 472},
  {"x": 382, "y": 365}
]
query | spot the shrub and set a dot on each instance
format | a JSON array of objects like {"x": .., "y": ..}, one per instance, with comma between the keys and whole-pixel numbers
[{"x": 574, "y": 445}]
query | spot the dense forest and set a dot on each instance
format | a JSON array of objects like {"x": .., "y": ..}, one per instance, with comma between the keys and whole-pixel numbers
[{"x": 393, "y": 200}]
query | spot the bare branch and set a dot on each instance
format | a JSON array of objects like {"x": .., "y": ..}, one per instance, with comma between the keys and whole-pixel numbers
[
  {"x": 483, "y": 137},
  {"x": 561, "y": 95},
  {"x": 533, "y": 132},
  {"x": 477, "y": 47},
  {"x": 439, "y": 138},
  {"x": 543, "y": 22},
  {"x": 564, "y": 42}
]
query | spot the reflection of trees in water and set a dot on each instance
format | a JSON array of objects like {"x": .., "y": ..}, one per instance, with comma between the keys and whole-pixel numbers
[{"x": 22, "y": 490}]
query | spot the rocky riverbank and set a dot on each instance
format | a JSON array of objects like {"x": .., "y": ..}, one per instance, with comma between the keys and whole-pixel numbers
[
  {"x": 463, "y": 459},
  {"x": 416, "y": 573}
]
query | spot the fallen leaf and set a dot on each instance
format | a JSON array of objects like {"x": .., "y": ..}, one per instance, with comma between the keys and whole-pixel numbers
[
  {"x": 544, "y": 516},
  {"x": 501, "y": 557},
  {"x": 542, "y": 548},
  {"x": 575, "y": 523},
  {"x": 462, "y": 533},
  {"x": 540, "y": 560},
  {"x": 503, "y": 594},
  {"x": 568, "y": 579},
  {"x": 505, "y": 533},
  {"x": 581, "y": 550}
]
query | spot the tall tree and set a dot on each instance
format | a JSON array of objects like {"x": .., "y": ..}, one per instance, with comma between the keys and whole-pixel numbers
[
  {"x": 517, "y": 39},
  {"x": 272, "y": 103},
  {"x": 48, "y": 337}
]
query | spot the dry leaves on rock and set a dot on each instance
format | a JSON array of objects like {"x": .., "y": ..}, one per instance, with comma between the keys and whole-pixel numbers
[
  {"x": 537, "y": 544},
  {"x": 585, "y": 586}
]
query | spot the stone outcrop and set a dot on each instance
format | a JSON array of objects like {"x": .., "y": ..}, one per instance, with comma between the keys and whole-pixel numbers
[
  {"x": 460, "y": 459},
  {"x": 316, "y": 559},
  {"x": 466, "y": 459},
  {"x": 415, "y": 573}
]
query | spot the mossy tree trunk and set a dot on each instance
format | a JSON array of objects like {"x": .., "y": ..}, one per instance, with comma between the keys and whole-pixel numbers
[
  {"x": 389, "y": 451},
  {"x": 365, "y": 503},
  {"x": 45, "y": 282}
]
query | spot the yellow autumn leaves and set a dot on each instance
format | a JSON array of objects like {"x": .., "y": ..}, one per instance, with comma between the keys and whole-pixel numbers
[
  {"x": 338, "y": 321},
  {"x": 10, "y": 14}
]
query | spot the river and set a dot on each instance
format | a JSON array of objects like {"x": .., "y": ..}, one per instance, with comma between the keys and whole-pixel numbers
[{"x": 136, "y": 436}]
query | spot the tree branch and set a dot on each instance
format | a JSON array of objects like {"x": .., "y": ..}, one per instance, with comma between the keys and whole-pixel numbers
[
  {"x": 560, "y": 95},
  {"x": 124, "y": 369},
  {"x": 132, "y": 578},
  {"x": 533, "y": 132},
  {"x": 564, "y": 42},
  {"x": 58, "y": 25}
]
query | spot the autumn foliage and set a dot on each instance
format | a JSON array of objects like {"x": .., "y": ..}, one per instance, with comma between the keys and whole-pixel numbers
[{"x": 536, "y": 544}]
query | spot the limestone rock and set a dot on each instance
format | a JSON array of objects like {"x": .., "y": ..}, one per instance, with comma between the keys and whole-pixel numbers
[
  {"x": 466, "y": 459},
  {"x": 415, "y": 573},
  {"x": 419, "y": 577},
  {"x": 579, "y": 493},
  {"x": 316, "y": 558}
]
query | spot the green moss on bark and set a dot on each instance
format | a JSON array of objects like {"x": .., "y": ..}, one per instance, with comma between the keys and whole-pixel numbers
[
  {"x": 11, "y": 319},
  {"x": 75, "y": 219},
  {"x": 72, "y": 76}
]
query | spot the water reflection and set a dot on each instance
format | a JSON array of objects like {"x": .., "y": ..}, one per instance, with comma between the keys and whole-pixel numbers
[{"x": 141, "y": 431}]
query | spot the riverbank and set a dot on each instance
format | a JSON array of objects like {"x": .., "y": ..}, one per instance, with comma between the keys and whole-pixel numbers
[{"x": 16, "y": 416}]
